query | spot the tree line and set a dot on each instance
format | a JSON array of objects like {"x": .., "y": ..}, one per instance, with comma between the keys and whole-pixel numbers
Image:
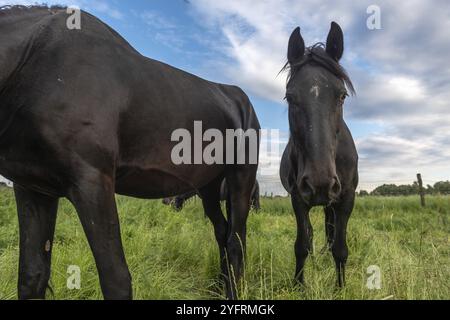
[{"x": 439, "y": 188}]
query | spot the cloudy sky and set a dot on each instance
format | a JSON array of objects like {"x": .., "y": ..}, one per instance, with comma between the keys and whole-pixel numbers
[{"x": 400, "y": 116}]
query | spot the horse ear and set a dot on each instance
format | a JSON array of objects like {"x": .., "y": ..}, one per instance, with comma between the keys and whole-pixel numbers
[
  {"x": 296, "y": 48},
  {"x": 335, "y": 42}
]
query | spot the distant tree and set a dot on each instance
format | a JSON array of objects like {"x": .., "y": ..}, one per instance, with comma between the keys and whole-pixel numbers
[
  {"x": 385, "y": 190},
  {"x": 363, "y": 193},
  {"x": 394, "y": 190},
  {"x": 442, "y": 187}
]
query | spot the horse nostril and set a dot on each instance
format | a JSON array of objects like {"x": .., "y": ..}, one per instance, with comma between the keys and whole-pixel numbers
[
  {"x": 306, "y": 189},
  {"x": 335, "y": 187}
]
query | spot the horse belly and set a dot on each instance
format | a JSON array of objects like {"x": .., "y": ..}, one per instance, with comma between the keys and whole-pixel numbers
[{"x": 150, "y": 184}]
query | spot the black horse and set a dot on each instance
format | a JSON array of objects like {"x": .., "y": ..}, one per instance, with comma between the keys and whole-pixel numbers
[
  {"x": 85, "y": 116},
  {"x": 320, "y": 164},
  {"x": 178, "y": 202}
]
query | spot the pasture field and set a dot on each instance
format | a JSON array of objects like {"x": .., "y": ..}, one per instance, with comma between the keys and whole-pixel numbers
[{"x": 174, "y": 255}]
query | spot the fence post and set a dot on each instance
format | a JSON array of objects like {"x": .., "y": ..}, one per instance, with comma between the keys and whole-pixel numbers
[{"x": 421, "y": 189}]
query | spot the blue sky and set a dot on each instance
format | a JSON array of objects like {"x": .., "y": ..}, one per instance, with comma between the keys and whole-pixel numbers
[{"x": 399, "y": 117}]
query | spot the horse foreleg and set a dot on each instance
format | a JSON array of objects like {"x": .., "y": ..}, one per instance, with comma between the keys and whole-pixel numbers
[
  {"x": 240, "y": 185},
  {"x": 339, "y": 247},
  {"x": 303, "y": 244},
  {"x": 37, "y": 217}
]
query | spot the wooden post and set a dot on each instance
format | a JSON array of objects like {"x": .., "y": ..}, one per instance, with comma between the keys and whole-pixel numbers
[{"x": 421, "y": 189}]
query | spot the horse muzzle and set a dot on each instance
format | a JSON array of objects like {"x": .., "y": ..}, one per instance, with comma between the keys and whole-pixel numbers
[{"x": 319, "y": 191}]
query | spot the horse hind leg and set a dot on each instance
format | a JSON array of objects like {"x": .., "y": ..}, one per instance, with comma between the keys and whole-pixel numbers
[
  {"x": 94, "y": 199},
  {"x": 240, "y": 184},
  {"x": 37, "y": 218},
  {"x": 210, "y": 196}
]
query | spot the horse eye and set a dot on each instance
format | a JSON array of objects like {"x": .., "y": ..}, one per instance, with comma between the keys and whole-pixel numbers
[
  {"x": 289, "y": 99},
  {"x": 344, "y": 96}
]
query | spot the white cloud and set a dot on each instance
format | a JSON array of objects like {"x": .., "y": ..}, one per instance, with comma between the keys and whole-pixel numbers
[{"x": 407, "y": 88}]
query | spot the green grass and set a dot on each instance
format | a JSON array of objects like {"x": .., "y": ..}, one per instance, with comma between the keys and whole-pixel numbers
[{"x": 175, "y": 256}]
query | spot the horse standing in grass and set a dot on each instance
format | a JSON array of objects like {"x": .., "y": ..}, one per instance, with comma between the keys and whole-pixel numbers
[
  {"x": 320, "y": 164},
  {"x": 84, "y": 116}
]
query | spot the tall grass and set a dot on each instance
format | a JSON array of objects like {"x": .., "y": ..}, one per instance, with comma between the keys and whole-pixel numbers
[{"x": 174, "y": 255}]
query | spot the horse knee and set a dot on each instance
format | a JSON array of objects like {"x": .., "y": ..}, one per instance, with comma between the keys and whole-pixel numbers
[
  {"x": 302, "y": 250},
  {"x": 221, "y": 236},
  {"x": 235, "y": 252},
  {"x": 235, "y": 247},
  {"x": 340, "y": 254}
]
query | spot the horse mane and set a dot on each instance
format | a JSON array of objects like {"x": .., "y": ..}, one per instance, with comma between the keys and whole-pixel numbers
[
  {"x": 316, "y": 54},
  {"x": 22, "y": 9}
]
